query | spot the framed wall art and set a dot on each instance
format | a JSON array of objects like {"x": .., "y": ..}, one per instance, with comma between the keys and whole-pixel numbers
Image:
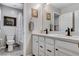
[
  {"x": 9, "y": 21},
  {"x": 34, "y": 12},
  {"x": 48, "y": 16}
]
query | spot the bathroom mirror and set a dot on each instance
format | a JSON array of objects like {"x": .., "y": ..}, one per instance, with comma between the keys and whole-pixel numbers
[
  {"x": 56, "y": 22},
  {"x": 61, "y": 16}
]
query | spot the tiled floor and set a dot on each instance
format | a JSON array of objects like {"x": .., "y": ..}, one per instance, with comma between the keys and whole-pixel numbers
[{"x": 16, "y": 52}]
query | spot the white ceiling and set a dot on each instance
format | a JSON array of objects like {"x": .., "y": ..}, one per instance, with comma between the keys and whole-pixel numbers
[
  {"x": 61, "y": 5},
  {"x": 56, "y": 5},
  {"x": 14, "y": 5}
]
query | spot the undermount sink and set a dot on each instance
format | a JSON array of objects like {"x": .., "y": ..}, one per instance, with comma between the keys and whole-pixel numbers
[{"x": 57, "y": 33}]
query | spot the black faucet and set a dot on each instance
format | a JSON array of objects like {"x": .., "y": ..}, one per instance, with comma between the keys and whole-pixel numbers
[
  {"x": 68, "y": 31},
  {"x": 46, "y": 30}
]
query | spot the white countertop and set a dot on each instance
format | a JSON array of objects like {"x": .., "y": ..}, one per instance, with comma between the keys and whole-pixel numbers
[{"x": 72, "y": 39}]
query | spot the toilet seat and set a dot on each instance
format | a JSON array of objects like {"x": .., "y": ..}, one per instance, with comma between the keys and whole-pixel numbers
[{"x": 10, "y": 41}]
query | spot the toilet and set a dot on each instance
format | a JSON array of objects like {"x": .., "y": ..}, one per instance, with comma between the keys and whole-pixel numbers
[
  {"x": 10, "y": 33},
  {"x": 10, "y": 42}
]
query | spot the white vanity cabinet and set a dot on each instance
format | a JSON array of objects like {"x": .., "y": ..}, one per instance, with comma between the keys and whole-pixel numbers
[
  {"x": 42, "y": 46},
  {"x": 50, "y": 46},
  {"x": 66, "y": 48}
]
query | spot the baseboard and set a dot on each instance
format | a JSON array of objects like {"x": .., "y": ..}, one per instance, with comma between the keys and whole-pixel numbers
[{"x": 29, "y": 54}]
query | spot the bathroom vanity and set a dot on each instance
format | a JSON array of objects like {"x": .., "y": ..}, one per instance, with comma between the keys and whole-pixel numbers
[{"x": 54, "y": 45}]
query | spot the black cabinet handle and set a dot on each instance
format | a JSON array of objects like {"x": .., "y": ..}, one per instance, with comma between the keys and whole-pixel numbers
[
  {"x": 41, "y": 46},
  {"x": 49, "y": 50},
  {"x": 56, "y": 49}
]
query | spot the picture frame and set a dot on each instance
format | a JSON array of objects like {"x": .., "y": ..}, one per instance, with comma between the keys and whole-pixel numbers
[
  {"x": 48, "y": 16},
  {"x": 34, "y": 12},
  {"x": 9, "y": 21}
]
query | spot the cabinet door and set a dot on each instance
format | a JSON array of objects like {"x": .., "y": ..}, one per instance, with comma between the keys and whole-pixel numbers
[
  {"x": 65, "y": 21},
  {"x": 66, "y": 48},
  {"x": 61, "y": 52},
  {"x": 35, "y": 45}
]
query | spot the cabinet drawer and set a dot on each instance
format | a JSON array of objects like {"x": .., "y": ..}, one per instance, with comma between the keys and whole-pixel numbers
[
  {"x": 71, "y": 47},
  {"x": 41, "y": 46},
  {"x": 49, "y": 50},
  {"x": 41, "y": 38},
  {"x": 49, "y": 40}
]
